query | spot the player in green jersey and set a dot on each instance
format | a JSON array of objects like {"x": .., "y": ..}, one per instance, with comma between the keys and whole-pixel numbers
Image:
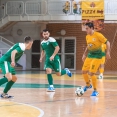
[
  {"x": 8, "y": 61},
  {"x": 50, "y": 49}
]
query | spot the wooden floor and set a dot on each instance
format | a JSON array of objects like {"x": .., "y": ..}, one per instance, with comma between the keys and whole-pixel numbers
[{"x": 32, "y": 100}]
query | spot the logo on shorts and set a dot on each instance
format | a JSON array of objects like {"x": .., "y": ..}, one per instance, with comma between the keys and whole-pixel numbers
[{"x": 93, "y": 66}]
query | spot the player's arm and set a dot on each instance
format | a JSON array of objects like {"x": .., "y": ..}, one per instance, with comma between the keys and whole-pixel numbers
[
  {"x": 55, "y": 52},
  {"x": 13, "y": 53},
  {"x": 42, "y": 55},
  {"x": 104, "y": 40},
  {"x": 108, "y": 50},
  {"x": 56, "y": 46},
  {"x": 85, "y": 54},
  {"x": 0, "y": 70}
]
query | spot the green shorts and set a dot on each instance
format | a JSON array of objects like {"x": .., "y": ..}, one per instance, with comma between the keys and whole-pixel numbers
[
  {"x": 54, "y": 65},
  {"x": 6, "y": 68}
]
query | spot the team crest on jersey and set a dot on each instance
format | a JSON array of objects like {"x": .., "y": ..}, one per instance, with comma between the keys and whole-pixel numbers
[
  {"x": 90, "y": 45},
  {"x": 94, "y": 39},
  {"x": 47, "y": 43}
]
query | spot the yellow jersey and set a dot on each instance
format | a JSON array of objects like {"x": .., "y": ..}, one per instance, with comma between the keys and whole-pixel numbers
[
  {"x": 103, "y": 49},
  {"x": 94, "y": 45}
]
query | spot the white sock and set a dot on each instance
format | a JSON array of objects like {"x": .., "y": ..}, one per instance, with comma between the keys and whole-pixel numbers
[
  {"x": 101, "y": 74},
  {"x": 51, "y": 86}
]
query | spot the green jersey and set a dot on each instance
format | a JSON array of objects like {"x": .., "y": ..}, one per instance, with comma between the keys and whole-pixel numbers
[
  {"x": 49, "y": 47},
  {"x": 20, "y": 47}
]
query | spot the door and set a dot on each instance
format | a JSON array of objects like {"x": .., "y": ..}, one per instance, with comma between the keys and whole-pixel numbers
[
  {"x": 35, "y": 54},
  {"x": 67, "y": 52}
]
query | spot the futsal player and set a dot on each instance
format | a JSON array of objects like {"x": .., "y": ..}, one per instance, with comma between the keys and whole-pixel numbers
[
  {"x": 8, "y": 61},
  {"x": 101, "y": 69},
  {"x": 92, "y": 56},
  {"x": 50, "y": 49}
]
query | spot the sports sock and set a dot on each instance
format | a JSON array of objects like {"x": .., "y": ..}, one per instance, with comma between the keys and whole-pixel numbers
[
  {"x": 50, "y": 79},
  {"x": 86, "y": 78},
  {"x": 51, "y": 86},
  {"x": 63, "y": 72},
  {"x": 3, "y": 80},
  {"x": 101, "y": 70},
  {"x": 8, "y": 86},
  {"x": 94, "y": 82}
]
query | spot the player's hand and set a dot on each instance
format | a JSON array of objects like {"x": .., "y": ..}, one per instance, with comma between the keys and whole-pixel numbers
[
  {"x": 0, "y": 70},
  {"x": 51, "y": 58},
  {"x": 40, "y": 60},
  {"x": 83, "y": 58},
  {"x": 108, "y": 55},
  {"x": 13, "y": 64}
]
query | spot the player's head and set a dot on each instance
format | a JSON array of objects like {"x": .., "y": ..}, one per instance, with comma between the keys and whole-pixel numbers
[
  {"x": 89, "y": 27},
  {"x": 28, "y": 42},
  {"x": 46, "y": 34}
]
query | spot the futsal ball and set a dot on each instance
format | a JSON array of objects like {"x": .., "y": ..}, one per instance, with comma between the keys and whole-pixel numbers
[{"x": 79, "y": 91}]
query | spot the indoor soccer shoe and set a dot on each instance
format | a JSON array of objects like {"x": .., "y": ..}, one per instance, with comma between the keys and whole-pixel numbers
[
  {"x": 100, "y": 76},
  {"x": 51, "y": 89},
  {"x": 94, "y": 93},
  {"x": 68, "y": 72},
  {"x": 86, "y": 87},
  {"x": 3, "y": 95}
]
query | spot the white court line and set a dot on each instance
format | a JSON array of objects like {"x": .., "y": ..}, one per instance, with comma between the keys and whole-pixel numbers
[{"x": 41, "y": 114}]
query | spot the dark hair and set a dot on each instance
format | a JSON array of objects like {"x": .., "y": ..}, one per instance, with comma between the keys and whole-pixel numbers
[
  {"x": 28, "y": 39},
  {"x": 46, "y": 30},
  {"x": 90, "y": 25}
]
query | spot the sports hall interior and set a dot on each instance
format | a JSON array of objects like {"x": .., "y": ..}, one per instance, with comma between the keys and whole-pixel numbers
[{"x": 28, "y": 18}]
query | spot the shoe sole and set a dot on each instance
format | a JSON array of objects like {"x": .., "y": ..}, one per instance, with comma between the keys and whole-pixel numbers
[
  {"x": 96, "y": 95},
  {"x": 50, "y": 91},
  {"x": 7, "y": 97},
  {"x": 70, "y": 75}
]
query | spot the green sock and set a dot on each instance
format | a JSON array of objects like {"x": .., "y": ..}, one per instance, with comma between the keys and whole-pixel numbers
[
  {"x": 50, "y": 79},
  {"x": 3, "y": 80},
  {"x": 8, "y": 86},
  {"x": 63, "y": 72}
]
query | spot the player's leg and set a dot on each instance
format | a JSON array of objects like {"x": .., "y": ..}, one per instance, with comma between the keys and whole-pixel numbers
[
  {"x": 85, "y": 69},
  {"x": 68, "y": 72},
  {"x": 93, "y": 69},
  {"x": 7, "y": 75},
  {"x": 6, "y": 71},
  {"x": 63, "y": 72},
  {"x": 57, "y": 69},
  {"x": 9, "y": 84},
  {"x": 101, "y": 69},
  {"x": 50, "y": 79}
]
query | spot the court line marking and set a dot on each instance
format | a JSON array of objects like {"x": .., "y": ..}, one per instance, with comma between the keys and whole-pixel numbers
[{"x": 41, "y": 111}]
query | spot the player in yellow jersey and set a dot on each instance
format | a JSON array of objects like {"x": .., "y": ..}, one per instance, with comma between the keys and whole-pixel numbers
[
  {"x": 92, "y": 56},
  {"x": 101, "y": 69}
]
